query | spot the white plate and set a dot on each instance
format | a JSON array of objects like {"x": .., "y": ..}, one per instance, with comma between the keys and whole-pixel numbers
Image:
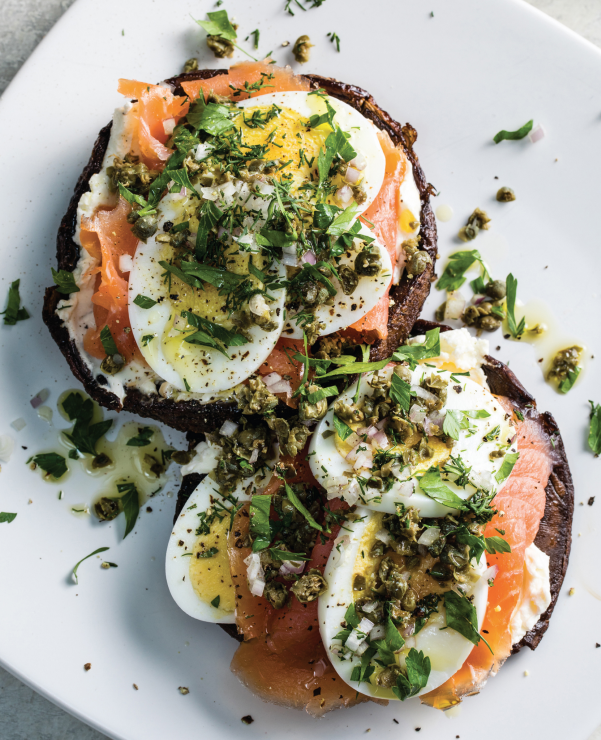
[{"x": 459, "y": 77}]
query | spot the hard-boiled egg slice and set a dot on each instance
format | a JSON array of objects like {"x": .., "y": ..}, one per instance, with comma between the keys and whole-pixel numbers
[
  {"x": 446, "y": 648},
  {"x": 161, "y": 331},
  {"x": 342, "y": 471},
  {"x": 197, "y": 563},
  {"x": 348, "y": 309},
  {"x": 296, "y": 110}
]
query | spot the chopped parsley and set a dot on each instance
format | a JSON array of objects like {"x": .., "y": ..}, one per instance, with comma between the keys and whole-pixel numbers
[
  {"x": 144, "y": 302},
  {"x": 51, "y": 463},
  {"x": 142, "y": 438},
  {"x": 7, "y": 517},
  {"x": 14, "y": 312},
  {"x": 516, "y": 330},
  {"x": 594, "y": 432},
  {"x": 96, "y": 552},
  {"x": 520, "y": 133},
  {"x": 65, "y": 282}
]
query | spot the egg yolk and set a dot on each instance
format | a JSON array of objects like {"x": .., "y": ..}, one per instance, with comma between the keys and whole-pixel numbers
[{"x": 210, "y": 577}]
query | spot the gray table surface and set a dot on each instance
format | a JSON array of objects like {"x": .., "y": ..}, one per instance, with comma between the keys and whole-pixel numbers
[{"x": 24, "y": 715}]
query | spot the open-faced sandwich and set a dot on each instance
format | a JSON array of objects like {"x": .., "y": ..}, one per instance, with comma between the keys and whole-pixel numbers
[
  {"x": 227, "y": 220},
  {"x": 404, "y": 542}
]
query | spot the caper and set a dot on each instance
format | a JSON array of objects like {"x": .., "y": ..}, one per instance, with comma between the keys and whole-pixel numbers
[
  {"x": 419, "y": 263},
  {"x": 190, "y": 65},
  {"x": 505, "y": 195},
  {"x": 276, "y": 594},
  {"x": 313, "y": 330},
  {"x": 112, "y": 364},
  {"x": 409, "y": 601},
  {"x": 496, "y": 289},
  {"x": 368, "y": 263},
  {"x": 565, "y": 361},
  {"x": 377, "y": 549},
  {"x": 489, "y": 323},
  {"x": 359, "y": 194},
  {"x": 441, "y": 572},
  {"x": 145, "y": 227},
  {"x": 478, "y": 220},
  {"x": 387, "y": 677},
  {"x": 496, "y": 455},
  {"x": 220, "y": 47},
  {"x": 182, "y": 457},
  {"x": 309, "y": 586},
  {"x": 101, "y": 461},
  {"x": 106, "y": 509},
  {"x": 315, "y": 410},
  {"x": 131, "y": 173},
  {"x": 348, "y": 412},
  {"x": 348, "y": 279},
  {"x": 404, "y": 372},
  {"x": 302, "y": 48},
  {"x": 255, "y": 398},
  {"x": 359, "y": 583}
]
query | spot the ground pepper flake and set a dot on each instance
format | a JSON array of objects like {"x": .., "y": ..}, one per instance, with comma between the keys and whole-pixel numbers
[
  {"x": 87, "y": 666},
  {"x": 247, "y": 720}
]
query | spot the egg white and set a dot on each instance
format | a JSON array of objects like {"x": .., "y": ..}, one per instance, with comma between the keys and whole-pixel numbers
[
  {"x": 204, "y": 369},
  {"x": 348, "y": 309},
  {"x": 177, "y": 563},
  {"x": 446, "y": 648},
  {"x": 363, "y": 133},
  {"x": 328, "y": 463}
]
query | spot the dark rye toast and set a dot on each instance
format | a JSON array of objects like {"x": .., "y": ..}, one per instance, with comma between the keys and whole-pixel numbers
[
  {"x": 192, "y": 415},
  {"x": 554, "y": 536}
]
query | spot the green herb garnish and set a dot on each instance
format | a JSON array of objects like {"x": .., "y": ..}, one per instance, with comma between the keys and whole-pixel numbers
[
  {"x": 462, "y": 617},
  {"x": 76, "y": 568},
  {"x": 453, "y": 276},
  {"x": 65, "y": 282},
  {"x": 6, "y": 517},
  {"x": 514, "y": 135},
  {"x": 51, "y": 463},
  {"x": 14, "y": 312},
  {"x": 509, "y": 462},
  {"x": 298, "y": 505},
  {"x": 342, "y": 429},
  {"x": 108, "y": 343},
  {"x": 144, "y": 302},
  {"x": 84, "y": 435},
  {"x": 142, "y": 438},
  {"x": 418, "y": 671},
  {"x": 432, "y": 485},
  {"x": 260, "y": 528},
  {"x": 130, "y": 503},
  {"x": 594, "y": 431},
  {"x": 516, "y": 330},
  {"x": 219, "y": 25}
]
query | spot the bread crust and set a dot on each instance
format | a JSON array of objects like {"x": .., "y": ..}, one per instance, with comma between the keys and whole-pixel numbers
[{"x": 191, "y": 415}]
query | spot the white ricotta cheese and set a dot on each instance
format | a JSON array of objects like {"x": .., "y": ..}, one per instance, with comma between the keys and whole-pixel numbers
[{"x": 536, "y": 593}]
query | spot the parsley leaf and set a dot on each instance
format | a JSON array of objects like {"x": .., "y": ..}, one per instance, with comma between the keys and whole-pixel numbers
[
  {"x": 209, "y": 217},
  {"x": 130, "y": 503},
  {"x": 462, "y": 617},
  {"x": 51, "y": 463},
  {"x": 215, "y": 601},
  {"x": 452, "y": 423},
  {"x": 594, "y": 431},
  {"x": 84, "y": 435},
  {"x": 453, "y": 276},
  {"x": 400, "y": 391},
  {"x": 418, "y": 671},
  {"x": 322, "y": 393},
  {"x": 342, "y": 222},
  {"x": 509, "y": 462},
  {"x": 356, "y": 367},
  {"x": 65, "y": 282},
  {"x": 144, "y": 302},
  {"x": 13, "y": 312},
  {"x": 568, "y": 382},
  {"x": 342, "y": 430},
  {"x": 76, "y": 568},
  {"x": 213, "y": 118},
  {"x": 389, "y": 644},
  {"x": 108, "y": 343},
  {"x": 298, "y": 505},
  {"x": 412, "y": 353},
  {"x": 514, "y": 135},
  {"x": 496, "y": 545},
  {"x": 219, "y": 25},
  {"x": 207, "y": 553},
  {"x": 260, "y": 528},
  {"x": 432, "y": 485},
  {"x": 516, "y": 331},
  {"x": 278, "y": 554},
  {"x": 7, "y": 517},
  {"x": 212, "y": 335},
  {"x": 142, "y": 438}
]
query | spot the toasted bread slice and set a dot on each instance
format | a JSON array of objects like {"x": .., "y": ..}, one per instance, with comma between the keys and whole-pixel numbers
[{"x": 192, "y": 415}]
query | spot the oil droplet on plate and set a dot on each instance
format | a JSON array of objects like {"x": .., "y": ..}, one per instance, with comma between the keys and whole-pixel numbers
[
  {"x": 546, "y": 336},
  {"x": 444, "y": 212}
]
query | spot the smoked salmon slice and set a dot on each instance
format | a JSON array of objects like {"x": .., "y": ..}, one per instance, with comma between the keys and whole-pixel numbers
[
  {"x": 520, "y": 505},
  {"x": 283, "y": 80},
  {"x": 282, "y": 659},
  {"x": 384, "y": 214},
  {"x": 107, "y": 236}
]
